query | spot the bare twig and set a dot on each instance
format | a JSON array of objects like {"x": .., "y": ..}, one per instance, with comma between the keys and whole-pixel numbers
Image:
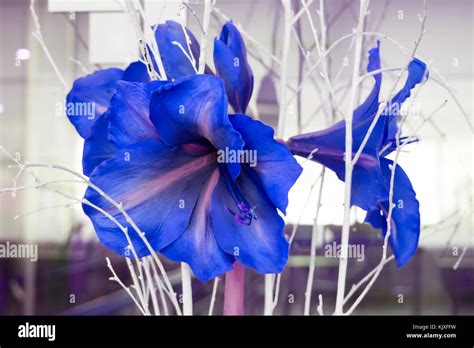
[
  {"x": 213, "y": 296},
  {"x": 39, "y": 37},
  {"x": 341, "y": 282}
]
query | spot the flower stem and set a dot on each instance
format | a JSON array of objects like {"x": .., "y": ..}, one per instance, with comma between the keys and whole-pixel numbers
[{"x": 234, "y": 290}]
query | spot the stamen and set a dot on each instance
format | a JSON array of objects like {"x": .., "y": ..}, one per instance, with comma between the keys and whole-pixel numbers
[{"x": 246, "y": 213}]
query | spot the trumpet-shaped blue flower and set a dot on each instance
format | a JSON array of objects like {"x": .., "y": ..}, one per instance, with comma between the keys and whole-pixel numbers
[
  {"x": 157, "y": 148},
  {"x": 230, "y": 58},
  {"x": 371, "y": 174},
  {"x": 193, "y": 204}
]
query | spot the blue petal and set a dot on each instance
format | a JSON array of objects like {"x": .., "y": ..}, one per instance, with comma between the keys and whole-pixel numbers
[
  {"x": 157, "y": 185},
  {"x": 136, "y": 72},
  {"x": 175, "y": 62},
  {"x": 367, "y": 182},
  {"x": 260, "y": 244},
  {"x": 89, "y": 98},
  {"x": 376, "y": 218},
  {"x": 128, "y": 113},
  {"x": 405, "y": 221},
  {"x": 197, "y": 246},
  {"x": 416, "y": 73},
  {"x": 192, "y": 109},
  {"x": 370, "y": 106},
  {"x": 230, "y": 59},
  {"x": 332, "y": 139},
  {"x": 97, "y": 147},
  {"x": 275, "y": 167}
]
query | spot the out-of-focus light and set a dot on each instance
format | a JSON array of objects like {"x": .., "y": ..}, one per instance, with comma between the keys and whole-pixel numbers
[
  {"x": 1, "y": 108},
  {"x": 23, "y": 54}
]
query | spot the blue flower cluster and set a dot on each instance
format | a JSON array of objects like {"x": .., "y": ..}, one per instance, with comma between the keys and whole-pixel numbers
[{"x": 153, "y": 146}]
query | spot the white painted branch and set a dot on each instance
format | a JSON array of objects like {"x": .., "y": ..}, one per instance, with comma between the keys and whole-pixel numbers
[
  {"x": 138, "y": 285},
  {"x": 295, "y": 227},
  {"x": 187, "y": 289},
  {"x": 39, "y": 37},
  {"x": 205, "y": 35},
  {"x": 160, "y": 286},
  {"x": 151, "y": 286},
  {"x": 213, "y": 295},
  {"x": 319, "y": 309},
  {"x": 270, "y": 278},
  {"x": 312, "y": 259},
  {"x": 283, "y": 104},
  {"x": 341, "y": 281},
  {"x": 142, "y": 44},
  {"x": 127, "y": 289},
  {"x": 269, "y": 285}
]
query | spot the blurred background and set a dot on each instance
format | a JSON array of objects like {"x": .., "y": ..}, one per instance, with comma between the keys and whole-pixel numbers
[{"x": 70, "y": 275}]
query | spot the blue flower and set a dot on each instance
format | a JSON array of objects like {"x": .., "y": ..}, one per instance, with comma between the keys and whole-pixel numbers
[
  {"x": 183, "y": 171},
  {"x": 371, "y": 174},
  {"x": 88, "y": 102},
  {"x": 230, "y": 59},
  {"x": 179, "y": 54}
]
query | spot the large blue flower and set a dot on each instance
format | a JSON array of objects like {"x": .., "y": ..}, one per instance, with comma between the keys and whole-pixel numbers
[
  {"x": 230, "y": 58},
  {"x": 205, "y": 187},
  {"x": 170, "y": 153},
  {"x": 371, "y": 173}
]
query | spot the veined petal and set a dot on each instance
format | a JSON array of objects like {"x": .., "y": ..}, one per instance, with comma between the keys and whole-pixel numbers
[
  {"x": 230, "y": 59},
  {"x": 273, "y": 165},
  {"x": 405, "y": 220},
  {"x": 89, "y": 98},
  {"x": 129, "y": 113},
  {"x": 259, "y": 243},
  {"x": 97, "y": 147},
  {"x": 157, "y": 185},
  {"x": 197, "y": 246},
  {"x": 192, "y": 109}
]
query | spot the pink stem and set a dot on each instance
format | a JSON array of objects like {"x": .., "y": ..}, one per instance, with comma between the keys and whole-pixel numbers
[{"x": 234, "y": 290}]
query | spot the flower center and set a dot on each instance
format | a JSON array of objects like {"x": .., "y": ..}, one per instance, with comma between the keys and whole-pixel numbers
[{"x": 243, "y": 211}]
